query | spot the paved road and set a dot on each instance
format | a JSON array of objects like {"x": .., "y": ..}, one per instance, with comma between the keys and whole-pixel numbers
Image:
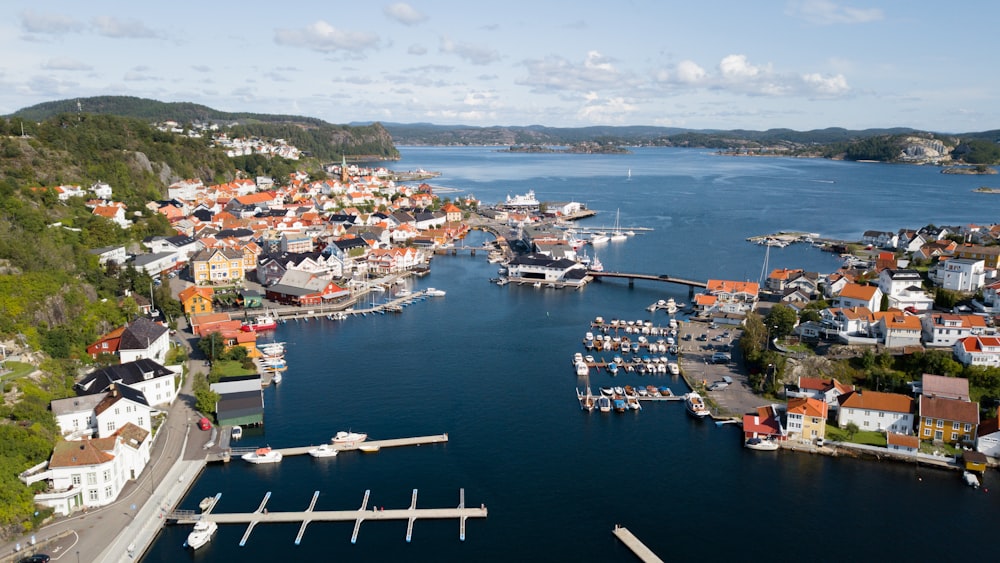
[{"x": 83, "y": 537}]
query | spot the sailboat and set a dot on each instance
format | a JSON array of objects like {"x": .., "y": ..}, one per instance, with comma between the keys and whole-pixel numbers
[
  {"x": 618, "y": 235},
  {"x": 629, "y": 176}
]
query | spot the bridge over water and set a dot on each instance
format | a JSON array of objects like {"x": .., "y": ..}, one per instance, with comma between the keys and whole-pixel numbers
[{"x": 631, "y": 277}]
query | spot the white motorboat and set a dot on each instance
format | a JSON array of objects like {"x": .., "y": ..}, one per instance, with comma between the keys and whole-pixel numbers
[
  {"x": 433, "y": 292},
  {"x": 695, "y": 405},
  {"x": 324, "y": 450},
  {"x": 761, "y": 445},
  {"x": 596, "y": 239},
  {"x": 970, "y": 479},
  {"x": 582, "y": 369},
  {"x": 201, "y": 534},
  {"x": 674, "y": 368},
  {"x": 403, "y": 293},
  {"x": 237, "y": 432},
  {"x": 349, "y": 438},
  {"x": 263, "y": 455}
]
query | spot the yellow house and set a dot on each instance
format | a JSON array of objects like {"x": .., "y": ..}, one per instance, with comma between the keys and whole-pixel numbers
[
  {"x": 218, "y": 265},
  {"x": 948, "y": 420},
  {"x": 196, "y": 300},
  {"x": 806, "y": 419}
]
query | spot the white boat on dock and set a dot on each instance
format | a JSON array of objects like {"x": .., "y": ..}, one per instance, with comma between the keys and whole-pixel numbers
[
  {"x": 761, "y": 445},
  {"x": 201, "y": 534},
  {"x": 349, "y": 438},
  {"x": 695, "y": 405},
  {"x": 262, "y": 455},
  {"x": 324, "y": 450}
]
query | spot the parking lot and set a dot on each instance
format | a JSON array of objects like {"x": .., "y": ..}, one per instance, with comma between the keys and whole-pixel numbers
[{"x": 708, "y": 355}]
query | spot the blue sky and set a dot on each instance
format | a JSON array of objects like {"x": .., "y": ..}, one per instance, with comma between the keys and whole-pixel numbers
[{"x": 798, "y": 64}]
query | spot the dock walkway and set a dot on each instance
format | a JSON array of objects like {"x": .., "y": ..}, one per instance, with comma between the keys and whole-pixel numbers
[
  {"x": 638, "y": 548},
  {"x": 379, "y": 444}
]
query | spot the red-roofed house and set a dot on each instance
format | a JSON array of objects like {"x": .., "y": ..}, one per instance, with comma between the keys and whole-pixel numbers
[
  {"x": 763, "y": 424},
  {"x": 733, "y": 297},
  {"x": 944, "y": 329},
  {"x": 898, "y": 329},
  {"x": 902, "y": 443},
  {"x": 872, "y": 410},
  {"x": 822, "y": 388},
  {"x": 114, "y": 213},
  {"x": 944, "y": 387},
  {"x": 978, "y": 351},
  {"x": 806, "y": 419},
  {"x": 778, "y": 278}
]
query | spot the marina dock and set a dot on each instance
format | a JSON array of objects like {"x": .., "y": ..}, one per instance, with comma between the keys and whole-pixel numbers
[
  {"x": 638, "y": 548},
  {"x": 261, "y": 515},
  {"x": 379, "y": 444}
]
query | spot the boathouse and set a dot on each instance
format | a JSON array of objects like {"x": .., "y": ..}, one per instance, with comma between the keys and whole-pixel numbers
[{"x": 541, "y": 268}]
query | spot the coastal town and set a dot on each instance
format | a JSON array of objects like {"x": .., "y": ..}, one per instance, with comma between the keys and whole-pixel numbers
[{"x": 253, "y": 253}]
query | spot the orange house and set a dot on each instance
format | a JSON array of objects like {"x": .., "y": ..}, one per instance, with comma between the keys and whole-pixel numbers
[
  {"x": 807, "y": 419},
  {"x": 196, "y": 300}
]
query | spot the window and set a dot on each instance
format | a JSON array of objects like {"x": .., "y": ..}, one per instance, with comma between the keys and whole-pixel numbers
[
  {"x": 77, "y": 480},
  {"x": 140, "y": 421},
  {"x": 107, "y": 475},
  {"x": 868, "y": 413},
  {"x": 865, "y": 423},
  {"x": 107, "y": 492},
  {"x": 938, "y": 435},
  {"x": 76, "y": 423},
  {"x": 940, "y": 423},
  {"x": 92, "y": 494},
  {"x": 955, "y": 426},
  {"x": 117, "y": 410},
  {"x": 92, "y": 478},
  {"x": 968, "y": 427},
  {"x": 111, "y": 426},
  {"x": 881, "y": 414}
]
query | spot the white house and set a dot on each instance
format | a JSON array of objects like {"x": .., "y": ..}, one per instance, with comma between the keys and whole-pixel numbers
[
  {"x": 872, "y": 410},
  {"x": 91, "y": 473},
  {"x": 893, "y": 281},
  {"x": 143, "y": 338},
  {"x": 102, "y": 415},
  {"x": 988, "y": 438},
  {"x": 101, "y": 190},
  {"x": 944, "y": 329},
  {"x": 823, "y": 389},
  {"x": 158, "y": 384},
  {"x": 541, "y": 268},
  {"x": 963, "y": 274},
  {"x": 113, "y": 253},
  {"x": 978, "y": 351},
  {"x": 897, "y": 329}
]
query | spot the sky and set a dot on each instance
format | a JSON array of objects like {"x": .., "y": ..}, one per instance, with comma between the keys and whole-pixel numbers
[{"x": 709, "y": 64}]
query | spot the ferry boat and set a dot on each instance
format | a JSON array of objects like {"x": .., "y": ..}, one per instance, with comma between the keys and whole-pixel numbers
[
  {"x": 263, "y": 322},
  {"x": 201, "y": 534},
  {"x": 263, "y": 455},
  {"x": 349, "y": 438},
  {"x": 526, "y": 200},
  {"x": 695, "y": 405}
]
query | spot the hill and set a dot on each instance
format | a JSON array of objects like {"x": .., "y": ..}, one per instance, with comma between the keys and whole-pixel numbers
[{"x": 316, "y": 137}]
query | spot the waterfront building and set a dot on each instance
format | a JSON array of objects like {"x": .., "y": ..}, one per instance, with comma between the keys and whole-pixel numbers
[
  {"x": 303, "y": 288},
  {"x": 730, "y": 300},
  {"x": 950, "y": 421},
  {"x": 873, "y": 410},
  {"x": 988, "y": 439},
  {"x": 806, "y": 419},
  {"x": 902, "y": 443},
  {"x": 90, "y": 473},
  {"x": 945, "y": 329},
  {"x": 880, "y": 239},
  {"x": 765, "y": 423},
  {"x": 978, "y": 351},
  {"x": 541, "y": 268}
]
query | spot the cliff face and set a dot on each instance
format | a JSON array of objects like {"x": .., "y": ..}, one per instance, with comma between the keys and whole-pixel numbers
[{"x": 918, "y": 150}]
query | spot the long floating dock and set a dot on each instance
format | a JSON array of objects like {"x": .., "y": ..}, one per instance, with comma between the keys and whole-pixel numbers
[
  {"x": 374, "y": 444},
  {"x": 638, "y": 548},
  {"x": 410, "y": 514}
]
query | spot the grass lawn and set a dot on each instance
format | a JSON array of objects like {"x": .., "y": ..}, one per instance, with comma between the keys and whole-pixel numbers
[
  {"x": 17, "y": 369},
  {"x": 869, "y": 437},
  {"x": 228, "y": 368},
  {"x": 931, "y": 448}
]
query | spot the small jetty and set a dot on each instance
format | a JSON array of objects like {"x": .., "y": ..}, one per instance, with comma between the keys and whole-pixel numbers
[
  {"x": 310, "y": 514},
  {"x": 368, "y": 445},
  {"x": 638, "y": 548}
]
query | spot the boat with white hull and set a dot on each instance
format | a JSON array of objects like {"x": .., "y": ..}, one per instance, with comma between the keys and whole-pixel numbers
[
  {"x": 349, "y": 438},
  {"x": 323, "y": 450},
  {"x": 201, "y": 534},
  {"x": 262, "y": 455},
  {"x": 695, "y": 405}
]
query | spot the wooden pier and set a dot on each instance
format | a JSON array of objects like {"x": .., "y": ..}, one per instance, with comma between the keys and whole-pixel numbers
[
  {"x": 349, "y": 446},
  {"x": 261, "y": 515},
  {"x": 638, "y": 548}
]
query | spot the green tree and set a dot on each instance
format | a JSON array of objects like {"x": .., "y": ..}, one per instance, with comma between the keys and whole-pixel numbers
[
  {"x": 781, "y": 320},
  {"x": 212, "y": 345},
  {"x": 852, "y": 430},
  {"x": 205, "y": 399}
]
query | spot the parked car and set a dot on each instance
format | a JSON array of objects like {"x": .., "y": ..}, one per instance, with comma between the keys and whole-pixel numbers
[
  {"x": 36, "y": 558},
  {"x": 703, "y": 337},
  {"x": 718, "y": 386},
  {"x": 204, "y": 424},
  {"x": 721, "y": 358}
]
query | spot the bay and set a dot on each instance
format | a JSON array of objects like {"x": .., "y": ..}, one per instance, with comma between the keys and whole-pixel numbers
[{"x": 490, "y": 366}]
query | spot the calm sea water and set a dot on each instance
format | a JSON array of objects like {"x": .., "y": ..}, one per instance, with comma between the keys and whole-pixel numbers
[{"x": 491, "y": 367}]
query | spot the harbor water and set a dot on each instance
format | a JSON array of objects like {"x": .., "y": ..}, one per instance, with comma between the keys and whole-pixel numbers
[{"x": 490, "y": 366}]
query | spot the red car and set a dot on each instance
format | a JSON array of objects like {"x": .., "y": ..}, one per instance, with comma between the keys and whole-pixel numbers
[{"x": 204, "y": 424}]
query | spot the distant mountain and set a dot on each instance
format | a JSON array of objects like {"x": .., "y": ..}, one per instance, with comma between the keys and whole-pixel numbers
[{"x": 314, "y": 136}]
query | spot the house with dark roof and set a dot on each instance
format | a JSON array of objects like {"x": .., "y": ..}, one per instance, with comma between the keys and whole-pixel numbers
[
  {"x": 545, "y": 269},
  {"x": 241, "y": 408},
  {"x": 157, "y": 383},
  {"x": 102, "y": 414},
  {"x": 302, "y": 288},
  {"x": 143, "y": 338}
]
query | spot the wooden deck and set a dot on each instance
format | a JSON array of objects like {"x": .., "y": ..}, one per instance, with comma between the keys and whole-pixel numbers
[{"x": 638, "y": 548}]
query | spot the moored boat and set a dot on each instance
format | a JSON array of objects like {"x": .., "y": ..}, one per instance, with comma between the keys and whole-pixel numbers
[
  {"x": 263, "y": 455},
  {"x": 434, "y": 292},
  {"x": 619, "y": 405},
  {"x": 604, "y": 403},
  {"x": 695, "y": 405},
  {"x": 370, "y": 448},
  {"x": 237, "y": 433},
  {"x": 262, "y": 322},
  {"x": 323, "y": 450},
  {"x": 349, "y": 438},
  {"x": 582, "y": 369},
  {"x": 587, "y": 401},
  {"x": 970, "y": 479},
  {"x": 201, "y": 534},
  {"x": 761, "y": 445}
]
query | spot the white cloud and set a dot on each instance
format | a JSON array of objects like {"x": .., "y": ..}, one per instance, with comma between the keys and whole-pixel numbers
[
  {"x": 64, "y": 63},
  {"x": 113, "y": 27},
  {"x": 475, "y": 54},
  {"x": 690, "y": 73},
  {"x": 826, "y": 85},
  {"x": 556, "y": 73},
  {"x": 404, "y": 13},
  {"x": 323, "y": 37},
  {"x": 49, "y": 23},
  {"x": 481, "y": 99},
  {"x": 607, "y": 111},
  {"x": 417, "y": 50},
  {"x": 826, "y": 12},
  {"x": 736, "y": 67}
]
